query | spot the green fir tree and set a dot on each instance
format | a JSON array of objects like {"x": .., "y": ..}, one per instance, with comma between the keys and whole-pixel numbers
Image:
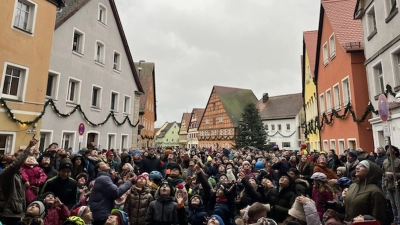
[{"x": 251, "y": 130}]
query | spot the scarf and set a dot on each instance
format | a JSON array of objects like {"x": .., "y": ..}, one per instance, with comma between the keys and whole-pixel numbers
[{"x": 222, "y": 200}]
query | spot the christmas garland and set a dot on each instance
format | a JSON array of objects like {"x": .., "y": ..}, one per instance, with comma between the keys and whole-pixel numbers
[
  {"x": 55, "y": 110},
  {"x": 286, "y": 136},
  {"x": 147, "y": 137},
  {"x": 216, "y": 138}
]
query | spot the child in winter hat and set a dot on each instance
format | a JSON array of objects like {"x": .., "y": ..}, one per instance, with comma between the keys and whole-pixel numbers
[{"x": 34, "y": 214}]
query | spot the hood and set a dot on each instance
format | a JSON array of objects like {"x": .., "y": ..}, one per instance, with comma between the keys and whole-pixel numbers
[
  {"x": 299, "y": 180},
  {"x": 374, "y": 173},
  {"x": 201, "y": 201},
  {"x": 124, "y": 155}
]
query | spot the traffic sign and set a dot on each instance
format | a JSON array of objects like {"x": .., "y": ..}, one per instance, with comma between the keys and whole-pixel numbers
[
  {"x": 81, "y": 129},
  {"x": 383, "y": 107}
]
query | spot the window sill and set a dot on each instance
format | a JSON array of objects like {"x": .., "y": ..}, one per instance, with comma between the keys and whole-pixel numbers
[
  {"x": 77, "y": 53},
  {"x": 392, "y": 15},
  {"x": 101, "y": 23},
  {"x": 72, "y": 104},
  {"x": 372, "y": 34},
  {"x": 52, "y": 98},
  {"x": 96, "y": 109},
  {"x": 333, "y": 55},
  {"x": 115, "y": 112},
  {"x": 125, "y": 113},
  {"x": 11, "y": 98},
  {"x": 23, "y": 30},
  {"x": 117, "y": 71},
  {"x": 99, "y": 63},
  {"x": 397, "y": 88},
  {"x": 326, "y": 62}
]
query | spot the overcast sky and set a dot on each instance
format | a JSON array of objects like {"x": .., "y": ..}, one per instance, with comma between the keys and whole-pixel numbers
[{"x": 195, "y": 44}]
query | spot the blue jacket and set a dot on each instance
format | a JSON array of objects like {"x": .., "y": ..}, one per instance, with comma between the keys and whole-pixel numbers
[{"x": 103, "y": 194}]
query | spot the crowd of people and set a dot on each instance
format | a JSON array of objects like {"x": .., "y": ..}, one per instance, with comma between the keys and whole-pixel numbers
[{"x": 171, "y": 186}]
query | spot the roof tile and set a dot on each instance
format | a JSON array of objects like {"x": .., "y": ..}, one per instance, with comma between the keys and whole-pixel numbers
[
  {"x": 281, "y": 107},
  {"x": 310, "y": 40}
]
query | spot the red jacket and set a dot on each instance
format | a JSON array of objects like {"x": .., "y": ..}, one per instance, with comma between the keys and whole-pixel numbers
[
  {"x": 34, "y": 174},
  {"x": 56, "y": 215}
]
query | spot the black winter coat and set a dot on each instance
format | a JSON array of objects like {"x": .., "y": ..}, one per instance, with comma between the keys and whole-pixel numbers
[
  {"x": 280, "y": 201},
  {"x": 151, "y": 164},
  {"x": 64, "y": 189}
]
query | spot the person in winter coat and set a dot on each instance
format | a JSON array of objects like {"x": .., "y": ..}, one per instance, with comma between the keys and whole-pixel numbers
[
  {"x": 351, "y": 164},
  {"x": 34, "y": 214},
  {"x": 63, "y": 186},
  {"x": 57, "y": 212},
  {"x": 321, "y": 166},
  {"x": 321, "y": 193},
  {"x": 104, "y": 193},
  {"x": 174, "y": 177},
  {"x": 249, "y": 194},
  {"x": 138, "y": 201},
  {"x": 302, "y": 187},
  {"x": 84, "y": 213},
  {"x": 125, "y": 158},
  {"x": 281, "y": 198},
  {"x": 78, "y": 165},
  {"x": 196, "y": 210},
  {"x": 303, "y": 212},
  {"x": 12, "y": 194},
  {"x": 364, "y": 196},
  {"x": 381, "y": 156},
  {"x": 224, "y": 202},
  {"x": 48, "y": 169},
  {"x": 306, "y": 168},
  {"x": 33, "y": 177},
  {"x": 388, "y": 180},
  {"x": 163, "y": 210},
  {"x": 151, "y": 162},
  {"x": 92, "y": 161}
]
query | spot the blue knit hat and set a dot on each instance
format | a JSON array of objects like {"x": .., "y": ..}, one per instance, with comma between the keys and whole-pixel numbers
[
  {"x": 221, "y": 222},
  {"x": 259, "y": 165},
  {"x": 138, "y": 151}
]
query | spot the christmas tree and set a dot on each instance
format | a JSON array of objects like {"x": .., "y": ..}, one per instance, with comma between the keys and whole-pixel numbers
[{"x": 251, "y": 130}]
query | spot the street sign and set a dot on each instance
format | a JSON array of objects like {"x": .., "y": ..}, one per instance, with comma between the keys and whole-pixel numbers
[
  {"x": 80, "y": 139},
  {"x": 383, "y": 107},
  {"x": 81, "y": 129},
  {"x": 386, "y": 129}
]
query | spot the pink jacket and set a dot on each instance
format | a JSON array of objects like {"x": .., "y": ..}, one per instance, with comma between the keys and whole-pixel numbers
[
  {"x": 320, "y": 199},
  {"x": 34, "y": 174},
  {"x": 56, "y": 215}
]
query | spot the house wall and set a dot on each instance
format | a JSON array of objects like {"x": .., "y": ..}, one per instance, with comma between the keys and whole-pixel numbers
[
  {"x": 183, "y": 133},
  {"x": 171, "y": 138},
  {"x": 287, "y": 139},
  {"x": 84, "y": 68},
  {"x": 31, "y": 52},
  {"x": 149, "y": 118},
  {"x": 342, "y": 65}
]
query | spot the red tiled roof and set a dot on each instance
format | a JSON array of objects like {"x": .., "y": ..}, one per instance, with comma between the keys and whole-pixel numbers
[
  {"x": 341, "y": 17},
  {"x": 198, "y": 112},
  {"x": 146, "y": 76},
  {"x": 310, "y": 39}
]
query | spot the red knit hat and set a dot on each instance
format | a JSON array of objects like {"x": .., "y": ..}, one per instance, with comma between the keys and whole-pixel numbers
[
  {"x": 141, "y": 176},
  {"x": 78, "y": 211},
  {"x": 109, "y": 152}
]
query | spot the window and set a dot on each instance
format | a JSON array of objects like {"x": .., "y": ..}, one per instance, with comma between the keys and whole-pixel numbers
[
  {"x": 288, "y": 127},
  {"x": 6, "y": 143},
  {"x": 391, "y": 9},
  {"x": 172, "y": 132},
  {"x": 266, "y": 127},
  {"x": 96, "y": 97},
  {"x": 378, "y": 77},
  {"x": 371, "y": 23},
  {"x": 114, "y": 102},
  {"x": 124, "y": 141},
  {"x": 117, "y": 61},
  {"x": 68, "y": 140},
  {"x": 207, "y": 121},
  {"x": 328, "y": 101},
  {"x": 396, "y": 67},
  {"x": 100, "y": 50},
  {"x": 272, "y": 126},
  {"x": 127, "y": 104},
  {"x": 346, "y": 91},
  {"x": 333, "y": 145},
  {"x": 52, "y": 83},
  {"x": 341, "y": 146},
  {"x": 102, "y": 18},
  {"x": 332, "y": 46},
  {"x": 14, "y": 84},
  {"x": 221, "y": 119},
  {"x": 321, "y": 103},
  {"x": 285, "y": 144},
  {"x": 326, "y": 147},
  {"x": 111, "y": 141},
  {"x": 78, "y": 41},
  {"x": 73, "y": 91},
  {"x": 279, "y": 127},
  {"x": 352, "y": 144},
  {"x": 326, "y": 58},
  {"x": 24, "y": 15},
  {"x": 336, "y": 96}
]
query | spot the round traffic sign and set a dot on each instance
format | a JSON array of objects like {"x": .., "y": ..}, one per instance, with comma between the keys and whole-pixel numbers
[
  {"x": 383, "y": 107},
  {"x": 81, "y": 128}
]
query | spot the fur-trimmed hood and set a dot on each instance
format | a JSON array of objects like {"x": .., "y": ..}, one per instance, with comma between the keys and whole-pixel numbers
[{"x": 299, "y": 180}]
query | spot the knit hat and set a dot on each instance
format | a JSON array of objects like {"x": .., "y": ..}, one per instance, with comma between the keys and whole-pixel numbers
[
  {"x": 365, "y": 163},
  {"x": 138, "y": 152},
  {"x": 82, "y": 175},
  {"x": 78, "y": 211},
  {"x": 226, "y": 152},
  {"x": 180, "y": 189},
  {"x": 42, "y": 208},
  {"x": 220, "y": 221},
  {"x": 167, "y": 152},
  {"x": 196, "y": 196},
  {"x": 170, "y": 186},
  {"x": 174, "y": 166},
  {"x": 209, "y": 159},
  {"x": 246, "y": 162},
  {"x": 297, "y": 211},
  {"x": 44, "y": 195},
  {"x": 122, "y": 217},
  {"x": 352, "y": 154},
  {"x": 259, "y": 165},
  {"x": 141, "y": 176},
  {"x": 109, "y": 152},
  {"x": 65, "y": 165}
]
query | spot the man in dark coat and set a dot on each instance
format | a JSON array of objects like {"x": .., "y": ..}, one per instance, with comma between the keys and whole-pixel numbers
[{"x": 151, "y": 163}]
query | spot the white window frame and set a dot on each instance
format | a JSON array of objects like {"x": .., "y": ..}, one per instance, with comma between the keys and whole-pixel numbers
[
  {"x": 114, "y": 144},
  {"x": 71, "y": 140},
  {"x": 328, "y": 100},
  {"x": 332, "y": 46},
  {"x": 99, "y": 97},
  {"x": 322, "y": 107},
  {"x": 80, "y": 50},
  {"x": 22, "y": 83},
  {"x": 288, "y": 127},
  {"x": 30, "y": 26},
  {"x": 122, "y": 141},
  {"x": 279, "y": 127},
  {"x": 350, "y": 140},
  {"x": 371, "y": 20},
  {"x": 99, "y": 58},
  {"x": 379, "y": 78},
  {"x": 116, "y": 106},
  {"x": 336, "y": 97},
  {"x": 103, "y": 21},
  {"x": 46, "y": 133},
  {"x": 10, "y": 146},
  {"x": 77, "y": 94},
  {"x": 326, "y": 145},
  {"x": 346, "y": 91},
  {"x": 221, "y": 119},
  {"x": 54, "y": 86},
  {"x": 395, "y": 57},
  {"x": 272, "y": 127},
  {"x": 207, "y": 121},
  {"x": 325, "y": 53},
  {"x": 332, "y": 144},
  {"x": 286, "y": 142},
  {"x": 341, "y": 147},
  {"x": 117, "y": 63},
  {"x": 127, "y": 108},
  {"x": 388, "y": 7}
]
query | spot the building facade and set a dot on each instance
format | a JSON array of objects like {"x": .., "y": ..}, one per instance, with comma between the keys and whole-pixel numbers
[
  {"x": 147, "y": 103},
  {"x": 341, "y": 79},
  {"x": 25, "y": 25},
  {"x": 168, "y": 136},
  {"x": 222, "y": 114},
  {"x": 310, "y": 99},
  {"x": 193, "y": 134},
  {"x": 183, "y": 130},
  {"x": 92, "y": 80},
  {"x": 380, "y": 22},
  {"x": 282, "y": 118}
]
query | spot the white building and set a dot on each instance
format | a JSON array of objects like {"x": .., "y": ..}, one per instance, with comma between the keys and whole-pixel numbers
[
  {"x": 380, "y": 25},
  {"x": 91, "y": 66},
  {"x": 281, "y": 120}
]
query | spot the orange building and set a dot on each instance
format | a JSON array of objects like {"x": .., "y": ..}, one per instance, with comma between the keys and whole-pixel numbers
[
  {"x": 147, "y": 104},
  {"x": 341, "y": 78},
  {"x": 221, "y": 117},
  {"x": 183, "y": 130}
]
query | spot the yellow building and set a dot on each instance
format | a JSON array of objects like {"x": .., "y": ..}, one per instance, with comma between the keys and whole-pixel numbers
[
  {"x": 310, "y": 89},
  {"x": 26, "y": 35}
]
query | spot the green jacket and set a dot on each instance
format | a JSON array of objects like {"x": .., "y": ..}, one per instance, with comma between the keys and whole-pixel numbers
[
  {"x": 387, "y": 179},
  {"x": 365, "y": 197}
]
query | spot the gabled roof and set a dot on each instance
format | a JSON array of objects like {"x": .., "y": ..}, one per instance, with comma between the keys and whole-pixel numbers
[
  {"x": 147, "y": 78},
  {"x": 73, "y": 6},
  {"x": 186, "y": 118},
  {"x": 58, "y": 3},
  {"x": 310, "y": 45},
  {"x": 282, "y": 106},
  {"x": 348, "y": 32},
  {"x": 198, "y": 112},
  {"x": 165, "y": 130}
]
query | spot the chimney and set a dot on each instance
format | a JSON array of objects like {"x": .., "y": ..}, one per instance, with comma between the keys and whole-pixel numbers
[{"x": 265, "y": 97}]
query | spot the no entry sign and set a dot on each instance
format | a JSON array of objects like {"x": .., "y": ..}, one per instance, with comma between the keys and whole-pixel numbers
[
  {"x": 383, "y": 108},
  {"x": 81, "y": 129}
]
